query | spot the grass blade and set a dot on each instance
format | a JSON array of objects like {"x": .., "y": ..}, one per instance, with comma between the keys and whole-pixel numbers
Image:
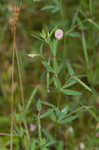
[
  {"x": 83, "y": 84},
  {"x": 85, "y": 49}
]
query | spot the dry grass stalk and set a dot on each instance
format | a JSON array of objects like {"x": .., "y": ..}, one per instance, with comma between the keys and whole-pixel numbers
[{"x": 13, "y": 21}]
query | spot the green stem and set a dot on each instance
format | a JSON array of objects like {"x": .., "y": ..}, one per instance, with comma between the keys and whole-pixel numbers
[
  {"x": 63, "y": 21},
  {"x": 59, "y": 100},
  {"x": 91, "y": 5},
  {"x": 61, "y": 10},
  {"x": 39, "y": 128}
]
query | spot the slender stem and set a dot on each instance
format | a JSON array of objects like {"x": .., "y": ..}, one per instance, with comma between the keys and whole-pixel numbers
[
  {"x": 59, "y": 99},
  {"x": 12, "y": 91},
  {"x": 91, "y": 7},
  {"x": 39, "y": 128},
  {"x": 63, "y": 21},
  {"x": 65, "y": 52},
  {"x": 61, "y": 10},
  {"x": 20, "y": 79},
  {"x": 22, "y": 95}
]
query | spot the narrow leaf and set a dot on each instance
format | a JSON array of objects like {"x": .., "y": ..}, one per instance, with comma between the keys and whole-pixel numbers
[
  {"x": 48, "y": 67},
  {"x": 31, "y": 98},
  {"x": 50, "y": 143},
  {"x": 46, "y": 114},
  {"x": 39, "y": 106},
  {"x": 47, "y": 104},
  {"x": 70, "y": 70},
  {"x": 53, "y": 117},
  {"x": 69, "y": 119},
  {"x": 85, "y": 49},
  {"x": 93, "y": 115},
  {"x": 33, "y": 145},
  {"x": 95, "y": 24},
  {"x": 74, "y": 34},
  {"x": 48, "y": 7},
  {"x": 57, "y": 83},
  {"x": 61, "y": 145},
  {"x": 83, "y": 84},
  {"x": 70, "y": 92},
  {"x": 69, "y": 83}
]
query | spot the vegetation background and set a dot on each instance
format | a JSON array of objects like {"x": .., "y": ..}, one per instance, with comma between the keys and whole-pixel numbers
[{"x": 59, "y": 77}]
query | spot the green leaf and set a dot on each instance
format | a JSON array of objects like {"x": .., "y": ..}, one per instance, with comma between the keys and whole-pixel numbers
[
  {"x": 48, "y": 67},
  {"x": 56, "y": 67},
  {"x": 75, "y": 17},
  {"x": 52, "y": 31},
  {"x": 94, "y": 23},
  {"x": 70, "y": 92},
  {"x": 37, "y": 36},
  {"x": 47, "y": 104},
  {"x": 63, "y": 113},
  {"x": 61, "y": 145},
  {"x": 50, "y": 143},
  {"x": 57, "y": 83},
  {"x": 25, "y": 111},
  {"x": 70, "y": 70},
  {"x": 85, "y": 50},
  {"x": 39, "y": 105},
  {"x": 51, "y": 8},
  {"x": 47, "y": 134},
  {"x": 43, "y": 34},
  {"x": 31, "y": 98},
  {"x": 42, "y": 141},
  {"x": 46, "y": 114},
  {"x": 53, "y": 47},
  {"x": 69, "y": 119},
  {"x": 81, "y": 27},
  {"x": 93, "y": 115},
  {"x": 69, "y": 83},
  {"x": 33, "y": 145},
  {"x": 83, "y": 84},
  {"x": 41, "y": 48},
  {"x": 58, "y": 112},
  {"x": 74, "y": 34},
  {"x": 48, "y": 7},
  {"x": 83, "y": 13},
  {"x": 55, "y": 10},
  {"x": 53, "y": 117}
]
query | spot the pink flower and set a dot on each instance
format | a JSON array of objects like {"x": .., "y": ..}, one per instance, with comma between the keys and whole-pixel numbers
[
  {"x": 59, "y": 33},
  {"x": 32, "y": 127}
]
